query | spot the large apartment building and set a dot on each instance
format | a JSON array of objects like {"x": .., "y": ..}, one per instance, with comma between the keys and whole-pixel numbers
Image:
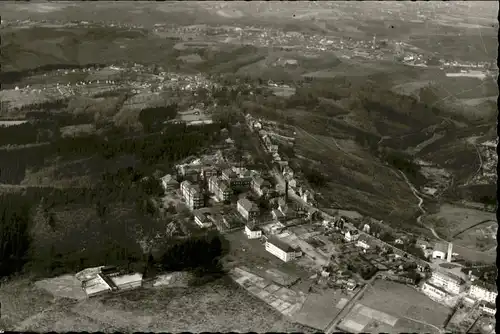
[
  {"x": 192, "y": 195},
  {"x": 482, "y": 292},
  {"x": 247, "y": 209},
  {"x": 220, "y": 189},
  {"x": 282, "y": 250},
  {"x": 434, "y": 291},
  {"x": 449, "y": 282}
]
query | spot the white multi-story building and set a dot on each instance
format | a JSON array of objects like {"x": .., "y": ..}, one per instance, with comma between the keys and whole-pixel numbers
[
  {"x": 220, "y": 189},
  {"x": 192, "y": 195},
  {"x": 479, "y": 292},
  {"x": 253, "y": 232},
  {"x": 282, "y": 250},
  {"x": 449, "y": 282},
  {"x": 434, "y": 291},
  {"x": 489, "y": 308},
  {"x": 247, "y": 209}
]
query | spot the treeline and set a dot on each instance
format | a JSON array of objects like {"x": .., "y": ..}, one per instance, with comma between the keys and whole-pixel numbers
[
  {"x": 177, "y": 141},
  {"x": 21, "y": 134},
  {"x": 152, "y": 118},
  {"x": 404, "y": 163},
  {"x": 15, "y": 222},
  {"x": 200, "y": 254},
  {"x": 9, "y": 78}
]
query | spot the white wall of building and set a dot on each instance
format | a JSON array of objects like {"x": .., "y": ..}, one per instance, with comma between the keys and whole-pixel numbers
[{"x": 480, "y": 293}]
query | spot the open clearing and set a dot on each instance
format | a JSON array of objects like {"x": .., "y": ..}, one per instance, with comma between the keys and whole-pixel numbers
[
  {"x": 414, "y": 310},
  {"x": 456, "y": 219},
  {"x": 217, "y": 306},
  {"x": 321, "y": 308}
]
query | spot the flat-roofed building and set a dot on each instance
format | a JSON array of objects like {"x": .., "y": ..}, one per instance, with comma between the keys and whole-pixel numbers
[
  {"x": 127, "y": 281},
  {"x": 282, "y": 250},
  {"x": 448, "y": 281},
  {"x": 480, "y": 291},
  {"x": 96, "y": 286},
  {"x": 434, "y": 291}
]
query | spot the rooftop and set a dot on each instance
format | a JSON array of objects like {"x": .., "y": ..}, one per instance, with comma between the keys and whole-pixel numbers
[
  {"x": 125, "y": 279},
  {"x": 95, "y": 285},
  {"x": 281, "y": 244},
  {"x": 436, "y": 287},
  {"x": 441, "y": 247},
  {"x": 485, "y": 285},
  {"x": 247, "y": 204},
  {"x": 449, "y": 275},
  {"x": 253, "y": 228}
]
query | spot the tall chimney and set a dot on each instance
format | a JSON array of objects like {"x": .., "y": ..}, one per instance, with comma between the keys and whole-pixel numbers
[
  {"x": 286, "y": 191},
  {"x": 450, "y": 249}
]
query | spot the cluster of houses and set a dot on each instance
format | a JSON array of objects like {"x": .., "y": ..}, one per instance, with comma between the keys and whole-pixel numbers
[
  {"x": 200, "y": 180},
  {"x": 271, "y": 146},
  {"x": 105, "y": 279}
]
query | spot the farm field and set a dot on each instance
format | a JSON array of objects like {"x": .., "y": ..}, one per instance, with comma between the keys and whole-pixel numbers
[
  {"x": 321, "y": 308},
  {"x": 217, "y": 306},
  {"x": 459, "y": 219},
  {"x": 473, "y": 232},
  {"x": 397, "y": 308}
]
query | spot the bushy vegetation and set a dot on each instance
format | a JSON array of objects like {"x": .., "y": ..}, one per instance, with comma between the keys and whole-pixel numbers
[
  {"x": 199, "y": 253},
  {"x": 15, "y": 222},
  {"x": 152, "y": 118},
  {"x": 177, "y": 141}
]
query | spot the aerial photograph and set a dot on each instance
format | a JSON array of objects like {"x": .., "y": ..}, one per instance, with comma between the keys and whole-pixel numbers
[{"x": 248, "y": 166}]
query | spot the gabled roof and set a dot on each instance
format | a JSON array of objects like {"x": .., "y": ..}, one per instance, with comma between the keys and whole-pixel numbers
[
  {"x": 277, "y": 213},
  {"x": 253, "y": 228},
  {"x": 229, "y": 172},
  {"x": 169, "y": 179},
  {"x": 201, "y": 216},
  {"x": 247, "y": 204},
  {"x": 441, "y": 247}
]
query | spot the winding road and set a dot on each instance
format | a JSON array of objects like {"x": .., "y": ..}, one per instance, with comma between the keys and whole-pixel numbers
[{"x": 420, "y": 203}]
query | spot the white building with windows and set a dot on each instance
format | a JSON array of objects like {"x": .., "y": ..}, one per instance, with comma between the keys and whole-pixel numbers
[
  {"x": 253, "y": 232},
  {"x": 282, "y": 250},
  {"x": 449, "y": 282},
  {"x": 247, "y": 209},
  {"x": 480, "y": 292},
  {"x": 434, "y": 292},
  {"x": 192, "y": 195}
]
